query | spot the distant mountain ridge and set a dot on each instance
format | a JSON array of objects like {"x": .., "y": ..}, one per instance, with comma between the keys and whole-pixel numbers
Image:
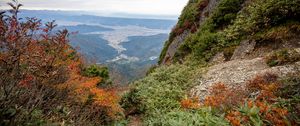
[
  {"x": 48, "y": 15},
  {"x": 83, "y": 28}
]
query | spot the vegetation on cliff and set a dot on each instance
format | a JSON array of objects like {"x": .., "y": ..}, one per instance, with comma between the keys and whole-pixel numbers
[
  {"x": 163, "y": 98},
  {"x": 229, "y": 23}
]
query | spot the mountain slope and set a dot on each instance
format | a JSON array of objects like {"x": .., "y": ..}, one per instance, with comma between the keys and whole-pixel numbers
[
  {"x": 227, "y": 62},
  {"x": 69, "y": 17}
]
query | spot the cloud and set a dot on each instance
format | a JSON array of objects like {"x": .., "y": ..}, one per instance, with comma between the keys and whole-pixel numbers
[{"x": 155, "y": 7}]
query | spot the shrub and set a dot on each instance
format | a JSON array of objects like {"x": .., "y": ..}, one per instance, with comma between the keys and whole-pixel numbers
[
  {"x": 189, "y": 13},
  {"x": 234, "y": 97},
  {"x": 96, "y": 71},
  {"x": 203, "y": 116},
  {"x": 263, "y": 14},
  {"x": 245, "y": 109},
  {"x": 40, "y": 81},
  {"x": 190, "y": 103},
  {"x": 282, "y": 57},
  {"x": 258, "y": 113},
  {"x": 226, "y": 12},
  {"x": 151, "y": 69},
  {"x": 206, "y": 42},
  {"x": 31, "y": 66},
  {"x": 161, "y": 91},
  {"x": 290, "y": 97},
  {"x": 262, "y": 82}
]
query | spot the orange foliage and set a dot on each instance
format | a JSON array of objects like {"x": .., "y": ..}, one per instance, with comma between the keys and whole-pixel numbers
[
  {"x": 224, "y": 97},
  {"x": 277, "y": 116},
  {"x": 38, "y": 68},
  {"x": 267, "y": 85},
  {"x": 234, "y": 118},
  {"x": 108, "y": 99},
  {"x": 84, "y": 87},
  {"x": 262, "y": 82},
  {"x": 192, "y": 103}
]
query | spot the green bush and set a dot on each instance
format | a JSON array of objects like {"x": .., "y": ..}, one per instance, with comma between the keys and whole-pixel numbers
[
  {"x": 252, "y": 113},
  {"x": 290, "y": 97},
  {"x": 151, "y": 69},
  {"x": 201, "y": 117},
  {"x": 261, "y": 15},
  {"x": 189, "y": 13},
  {"x": 205, "y": 45},
  {"x": 282, "y": 57},
  {"x": 24, "y": 117},
  {"x": 226, "y": 12},
  {"x": 207, "y": 41},
  {"x": 161, "y": 91},
  {"x": 164, "y": 51},
  {"x": 96, "y": 71},
  {"x": 256, "y": 16}
]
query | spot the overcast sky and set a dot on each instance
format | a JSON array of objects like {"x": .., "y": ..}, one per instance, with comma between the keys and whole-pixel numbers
[{"x": 150, "y": 7}]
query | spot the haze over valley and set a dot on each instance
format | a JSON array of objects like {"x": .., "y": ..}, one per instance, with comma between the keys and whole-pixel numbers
[{"x": 129, "y": 46}]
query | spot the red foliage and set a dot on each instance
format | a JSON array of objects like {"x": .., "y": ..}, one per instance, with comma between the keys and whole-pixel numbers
[
  {"x": 194, "y": 28},
  {"x": 202, "y": 5},
  {"x": 178, "y": 30},
  {"x": 26, "y": 81},
  {"x": 187, "y": 24}
]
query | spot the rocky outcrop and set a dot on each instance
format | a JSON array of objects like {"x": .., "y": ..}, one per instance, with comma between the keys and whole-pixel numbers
[
  {"x": 246, "y": 47},
  {"x": 247, "y": 61},
  {"x": 174, "y": 46},
  {"x": 178, "y": 40},
  {"x": 208, "y": 10},
  {"x": 218, "y": 58},
  {"x": 236, "y": 73}
]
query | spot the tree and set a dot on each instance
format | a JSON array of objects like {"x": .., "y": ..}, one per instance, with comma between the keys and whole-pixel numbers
[{"x": 39, "y": 73}]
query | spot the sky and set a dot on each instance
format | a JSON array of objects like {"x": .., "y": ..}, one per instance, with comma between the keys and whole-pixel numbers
[{"x": 146, "y": 7}]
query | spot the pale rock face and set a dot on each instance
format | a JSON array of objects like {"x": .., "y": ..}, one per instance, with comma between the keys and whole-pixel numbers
[
  {"x": 237, "y": 73},
  {"x": 218, "y": 58},
  {"x": 179, "y": 40},
  {"x": 245, "y": 48},
  {"x": 174, "y": 46}
]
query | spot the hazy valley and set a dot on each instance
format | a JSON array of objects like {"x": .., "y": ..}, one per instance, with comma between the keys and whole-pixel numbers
[{"x": 129, "y": 46}]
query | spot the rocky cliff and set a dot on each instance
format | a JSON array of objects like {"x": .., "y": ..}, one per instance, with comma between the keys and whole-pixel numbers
[{"x": 236, "y": 37}]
